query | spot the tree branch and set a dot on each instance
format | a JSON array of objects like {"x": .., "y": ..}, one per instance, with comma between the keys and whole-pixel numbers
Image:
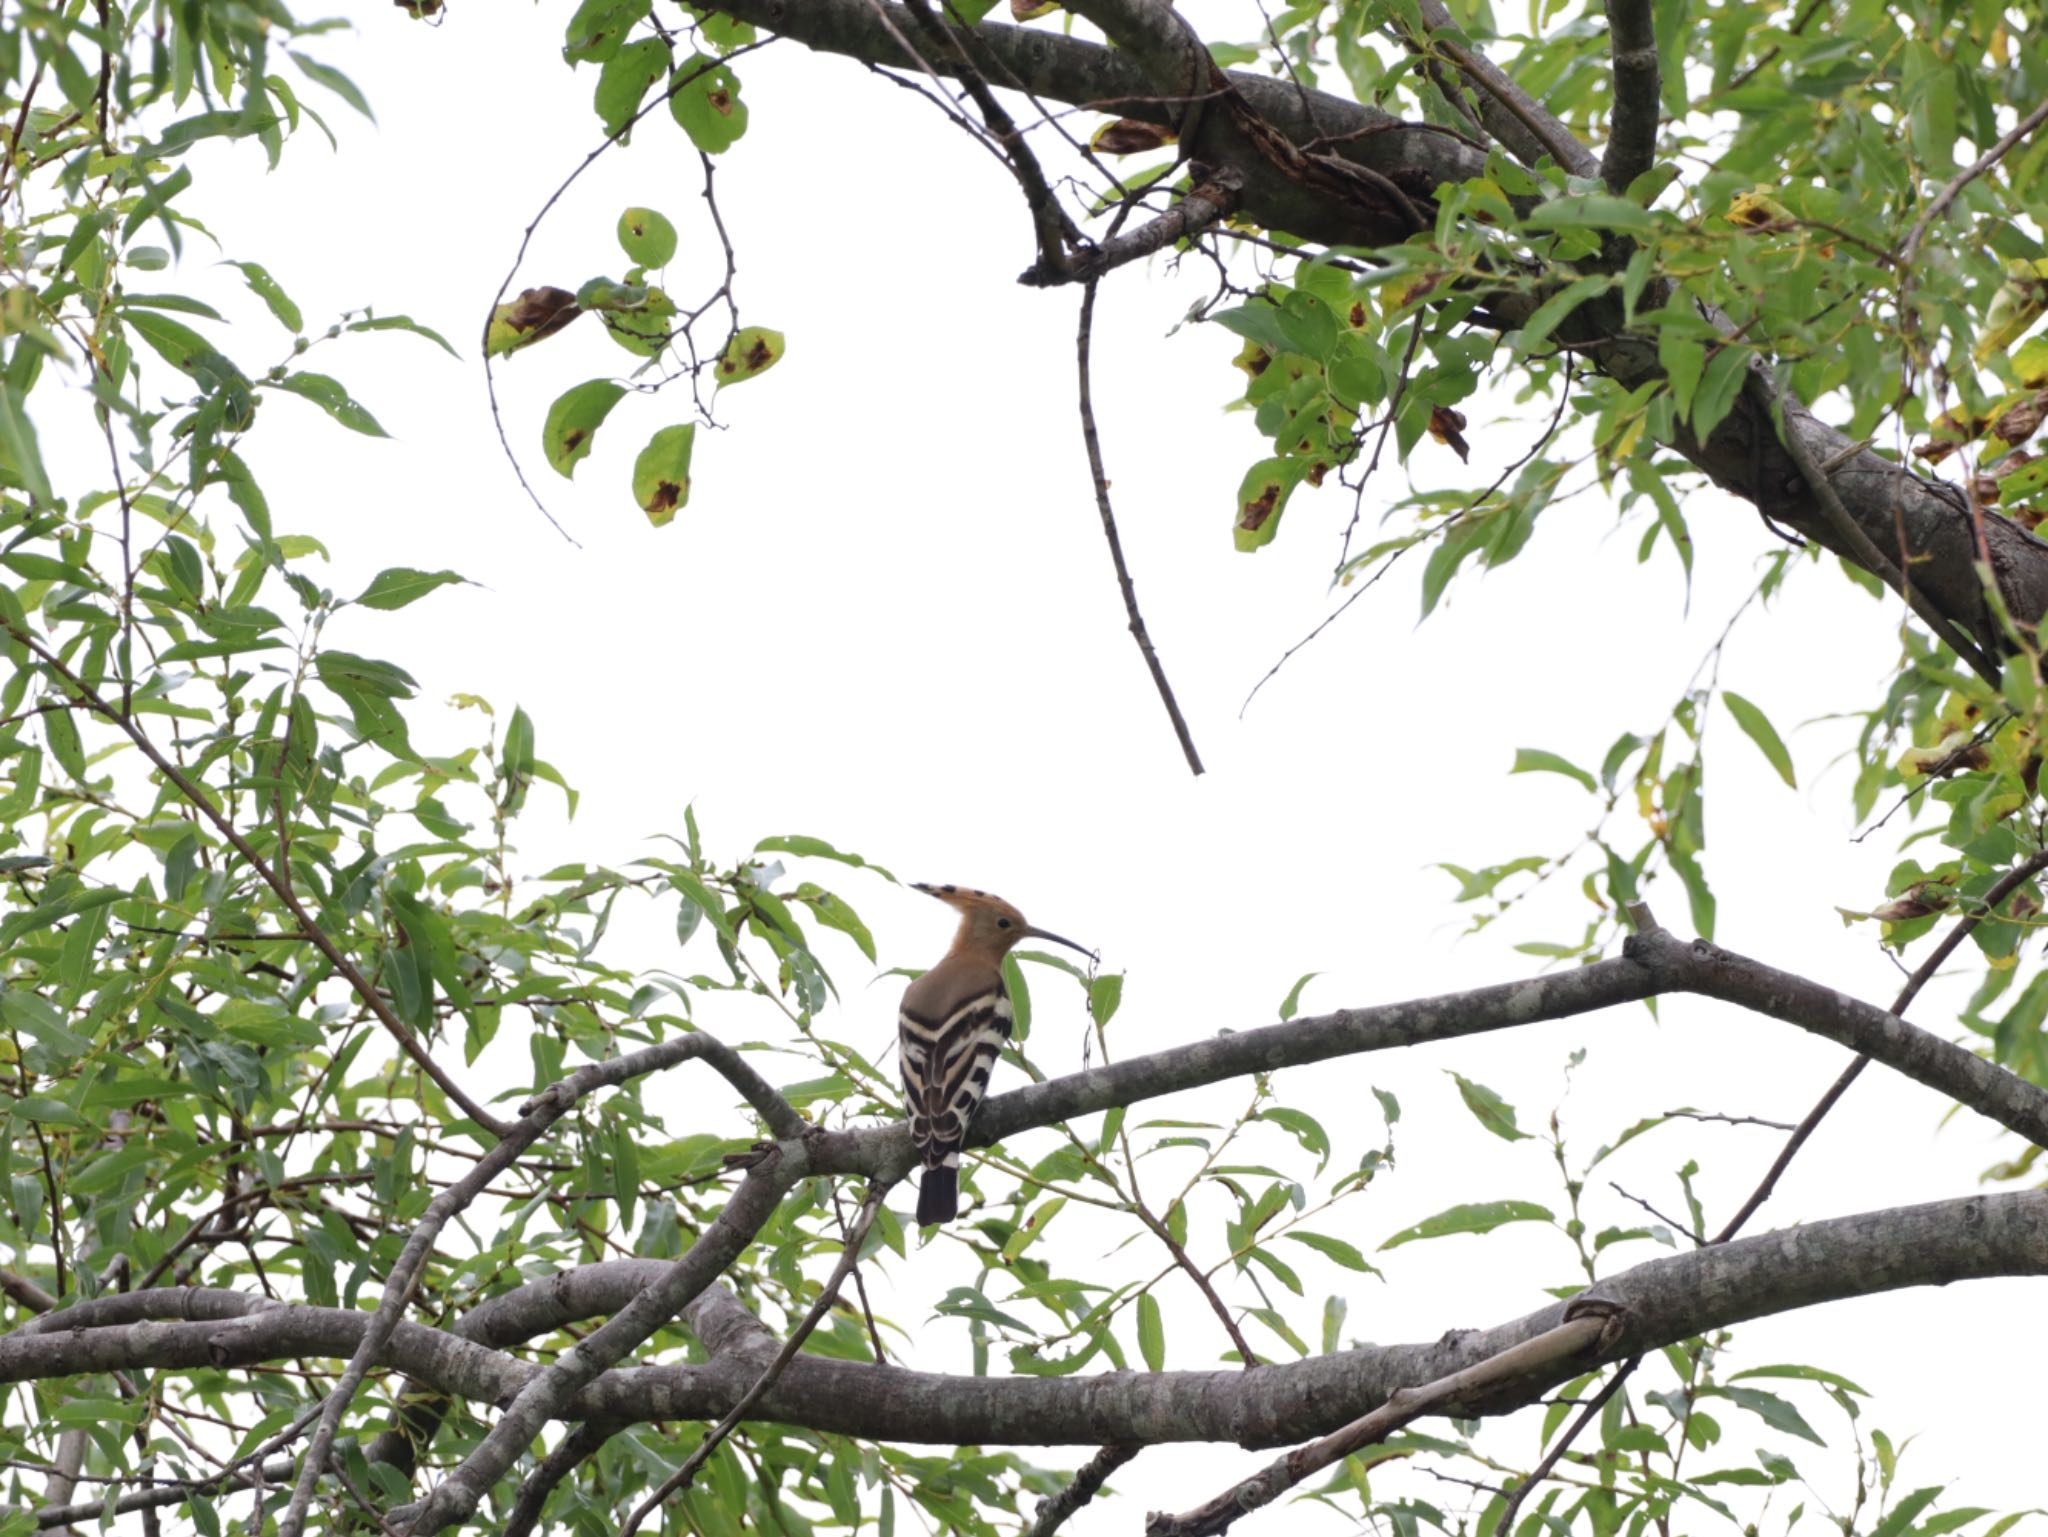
[
  {"x": 1638, "y": 88},
  {"x": 849, "y": 1255},
  {"x": 1890, "y": 503},
  {"x": 535, "y": 1117},
  {"x": 1573, "y": 1337},
  {"x": 1092, "y": 442},
  {"x": 1054, "y": 1509},
  {"x": 1664, "y": 1301},
  {"x": 553, "y": 1389}
]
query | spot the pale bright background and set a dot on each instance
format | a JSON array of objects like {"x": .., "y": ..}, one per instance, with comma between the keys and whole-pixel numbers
[{"x": 887, "y": 619}]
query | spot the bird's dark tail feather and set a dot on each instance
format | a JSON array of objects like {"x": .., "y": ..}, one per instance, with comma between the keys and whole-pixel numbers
[{"x": 938, "y": 1197}]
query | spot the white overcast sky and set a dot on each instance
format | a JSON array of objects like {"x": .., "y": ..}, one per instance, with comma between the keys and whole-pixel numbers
[{"x": 887, "y": 619}]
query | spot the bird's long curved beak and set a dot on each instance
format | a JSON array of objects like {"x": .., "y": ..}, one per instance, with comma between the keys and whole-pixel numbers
[{"x": 1032, "y": 932}]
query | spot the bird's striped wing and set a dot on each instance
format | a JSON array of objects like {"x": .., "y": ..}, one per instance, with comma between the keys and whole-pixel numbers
[{"x": 946, "y": 1065}]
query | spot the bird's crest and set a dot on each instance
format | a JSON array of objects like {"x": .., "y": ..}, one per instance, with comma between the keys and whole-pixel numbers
[{"x": 988, "y": 924}]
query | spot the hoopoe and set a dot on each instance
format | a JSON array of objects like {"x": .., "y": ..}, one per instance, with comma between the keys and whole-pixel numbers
[{"x": 952, "y": 1026}]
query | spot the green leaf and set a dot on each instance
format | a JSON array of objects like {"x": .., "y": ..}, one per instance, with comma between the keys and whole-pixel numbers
[
  {"x": 1307, "y": 1130},
  {"x": 1804, "y": 1374},
  {"x": 573, "y": 421},
  {"x": 335, "y": 81},
  {"x": 1592, "y": 210},
  {"x": 396, "y": 586},
  {"x": 1774, "y": 1411},
  {"x": 21, "y": 458},
  {"x": 331, "y": 396},
  {"x": 661, "y": 473},
  {"x": 1551, "y": 313},
  {"x": 1533, "y": 760},
  {"x": 1757, "y": 727},
  {"x": 817, "y": 848},
  {"x": 1492, "y": 1112},
  {"x": 648, "y": 239},
  {"x": 1902, "y": 1515},
  {"x": 706, "y": 104},
  {"x": 623, "y": 80},
  {"x": 1717, "y": 392},
  {"x": 1343, "y": 1253},
  {"x": 1292, "y": 1001},
  {"x": 275, "y": 299},
  {"x": 834, "y": 913},
  {"x": 1151, "y": 1333},
  {"x": 598, "y": 29},
  {"x": 1471, "y": 1217},
  {"x": 1261, "y": 499}
]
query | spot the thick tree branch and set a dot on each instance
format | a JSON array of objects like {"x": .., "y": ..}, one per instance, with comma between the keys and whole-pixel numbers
[
  {"x": 552, "y": 1390},
  {"x": 1889, "y": 503},
  {"x": 1638, "y": 86},
  {"x": 1663, "y": 1301},
  {"x": 1527, "y": 127}
]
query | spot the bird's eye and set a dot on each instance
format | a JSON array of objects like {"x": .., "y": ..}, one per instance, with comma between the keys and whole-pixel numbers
[{"x": 1002, "y": 923}]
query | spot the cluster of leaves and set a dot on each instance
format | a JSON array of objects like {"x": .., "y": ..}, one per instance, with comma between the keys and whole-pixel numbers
[{"x": 634, "y": 55}]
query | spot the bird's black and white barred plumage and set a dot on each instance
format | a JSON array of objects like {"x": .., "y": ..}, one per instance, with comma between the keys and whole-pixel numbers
[{"x": 953, "y": 1025}]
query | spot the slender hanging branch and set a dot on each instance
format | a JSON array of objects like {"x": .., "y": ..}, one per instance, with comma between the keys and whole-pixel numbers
[{"x": 1092, "y": 442}]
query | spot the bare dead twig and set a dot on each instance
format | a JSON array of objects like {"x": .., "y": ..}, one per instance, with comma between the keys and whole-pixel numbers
[
  {"x": 1092, "y": 442},
  {"x": 1563, "y": 1444},
  {"x": 1671, "y": 1222}
]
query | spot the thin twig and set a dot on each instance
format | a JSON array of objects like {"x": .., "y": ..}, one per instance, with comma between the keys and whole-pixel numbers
[
  {"x": 1588, "y": 1330},
  {"x": 1092, "y": 442},
  {"x": 574, "y": 1449},
  {"x": 2007, "y": 884},
  {"x": 1671, "y": 1222},
  {"x": 681, "y": 1478},
  {"x": 1505, "y": 1525},
  {"x": 1948, "y": 194},
  {"x": 1054, "y": 1509}
]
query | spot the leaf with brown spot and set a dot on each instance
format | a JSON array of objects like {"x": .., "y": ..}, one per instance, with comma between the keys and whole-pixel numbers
[
  {"x": 1031, "y": 10},
  {"x": 1261, "y": 498},
  {"x": 661, "y": 475},
  {"x": 1130, "y": 136},
  {"x": 1448, "y": 426},
  {"x": 535, "y": 315},
  {"x": 2021, "y": 421},
  {"x": 751, "y": 353},
  {"x": 573, "y": 421}
]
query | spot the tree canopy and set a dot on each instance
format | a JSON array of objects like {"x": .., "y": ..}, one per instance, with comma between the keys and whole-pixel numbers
[{"x": 350, "y": 1182}]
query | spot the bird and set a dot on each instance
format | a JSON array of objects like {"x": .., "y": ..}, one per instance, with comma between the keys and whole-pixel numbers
[{"x": 950, "y": 1029}]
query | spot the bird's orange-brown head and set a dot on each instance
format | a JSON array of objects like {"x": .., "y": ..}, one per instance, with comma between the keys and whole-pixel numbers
[{"x": 989, "y": 926}]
